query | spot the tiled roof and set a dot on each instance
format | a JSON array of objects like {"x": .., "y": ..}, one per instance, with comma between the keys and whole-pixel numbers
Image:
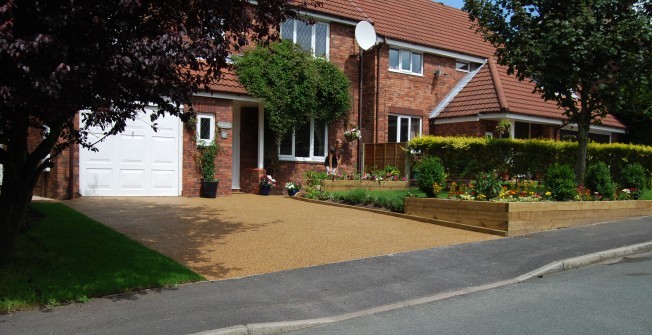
[
  {"x": 341, "y": 8},
  {"x": 427, "y": 23},
  {"x": 229, "y": 83},
  {"x": 482, "y": 95}
]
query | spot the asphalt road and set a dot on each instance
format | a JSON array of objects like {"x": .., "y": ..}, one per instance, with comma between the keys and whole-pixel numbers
[{"x": 599, "y": 299}]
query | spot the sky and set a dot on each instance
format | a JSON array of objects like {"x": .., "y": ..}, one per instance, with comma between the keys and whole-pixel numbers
[{"x": 453, "y": 3}]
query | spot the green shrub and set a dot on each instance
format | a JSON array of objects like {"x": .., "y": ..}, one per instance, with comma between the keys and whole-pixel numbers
[
  {"x": 560, "y": 181},
  {"x": 468, "y": 156},
  {"x": 488, "y": 184},
  {"x": 633, "y": 176},
  {"x": 598, "y": 179},
  {"x": 430, "y": 171}
]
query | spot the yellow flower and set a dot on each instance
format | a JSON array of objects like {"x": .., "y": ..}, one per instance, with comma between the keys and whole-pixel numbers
[{"x": 548, "y": 193}]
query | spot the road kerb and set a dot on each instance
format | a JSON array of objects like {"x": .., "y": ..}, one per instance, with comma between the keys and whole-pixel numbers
[{"x": 281, "y": 327}]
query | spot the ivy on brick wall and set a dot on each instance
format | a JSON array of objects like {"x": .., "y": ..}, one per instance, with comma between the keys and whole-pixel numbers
[{"x": 293, "y": 86}]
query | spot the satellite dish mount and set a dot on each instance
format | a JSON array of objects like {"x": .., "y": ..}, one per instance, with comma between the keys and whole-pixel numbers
[{"x": 365, "y": 35}]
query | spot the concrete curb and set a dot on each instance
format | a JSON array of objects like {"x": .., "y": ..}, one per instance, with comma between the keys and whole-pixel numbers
[{"x": 273, "y": 328}]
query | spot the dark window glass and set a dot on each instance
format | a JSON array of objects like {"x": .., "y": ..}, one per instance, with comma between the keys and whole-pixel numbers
[
  {"x": 320, "y": 141},
  {"x": 405, "y": 129},
  {"x": 204, "y": 128},
  {"x": 302, "y": 141},
  {"x": 522, "y": 130},
  {"x": 392, "y": 128},
  {"x": 286, "y": 145}
]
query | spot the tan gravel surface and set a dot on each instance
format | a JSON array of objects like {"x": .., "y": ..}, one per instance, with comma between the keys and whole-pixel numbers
[{"x": 247, "y": 234}]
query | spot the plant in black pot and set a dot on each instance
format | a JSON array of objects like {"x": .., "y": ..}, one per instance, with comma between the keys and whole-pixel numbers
[{"x": 206, "y": 166}]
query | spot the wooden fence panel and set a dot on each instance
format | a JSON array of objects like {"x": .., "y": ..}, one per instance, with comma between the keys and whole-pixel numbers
[{"x": 379, "y": 155}]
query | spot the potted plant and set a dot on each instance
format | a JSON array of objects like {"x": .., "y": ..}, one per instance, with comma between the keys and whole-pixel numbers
[
  {"x": 266, "y": 184},
  {"x": 292, "y": 188},
  {"x": 206, "y": 167}
]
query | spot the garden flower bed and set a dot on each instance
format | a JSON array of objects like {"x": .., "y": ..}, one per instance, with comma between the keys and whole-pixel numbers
[{"x": 518, "y": 218}]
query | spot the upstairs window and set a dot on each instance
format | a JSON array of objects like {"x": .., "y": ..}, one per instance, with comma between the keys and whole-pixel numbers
[
  {"x": 403, "y": 128},
  {"x": 402, "y": 60},
  {"x": 313, "y": 38}
]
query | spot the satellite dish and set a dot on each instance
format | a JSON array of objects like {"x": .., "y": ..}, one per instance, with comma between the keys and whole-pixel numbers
[{"x": 365, "y": 35}]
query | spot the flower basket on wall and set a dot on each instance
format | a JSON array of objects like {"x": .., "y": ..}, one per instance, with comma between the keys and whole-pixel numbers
[{"x": 352, "y": 135}]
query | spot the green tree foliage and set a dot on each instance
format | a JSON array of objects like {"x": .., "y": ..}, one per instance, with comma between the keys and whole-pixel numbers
[
  {"x": 112, "y": 58},
  {"x": 293, "y": 86},
  {"x": 580, "y": 54}
]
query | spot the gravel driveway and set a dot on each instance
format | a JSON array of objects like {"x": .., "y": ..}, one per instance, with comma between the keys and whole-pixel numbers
[{"x": 246, "y": 234}]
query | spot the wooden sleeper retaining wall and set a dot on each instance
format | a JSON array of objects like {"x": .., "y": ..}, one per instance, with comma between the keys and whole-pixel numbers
[{"x": 517, "y": 218}]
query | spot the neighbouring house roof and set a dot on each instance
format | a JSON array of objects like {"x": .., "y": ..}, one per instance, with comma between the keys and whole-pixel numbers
[{"x": 492, "y": 90}]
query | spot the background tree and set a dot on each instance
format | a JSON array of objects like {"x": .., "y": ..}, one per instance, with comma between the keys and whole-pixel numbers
[
  {"x": 583, "y": 54},
  {"x": 111, "y": 58}
]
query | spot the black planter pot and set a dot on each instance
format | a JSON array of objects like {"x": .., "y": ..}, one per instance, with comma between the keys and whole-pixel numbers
[{"x": 208, "y": 189}]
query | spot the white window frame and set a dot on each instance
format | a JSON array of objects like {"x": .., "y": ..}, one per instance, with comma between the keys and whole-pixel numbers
[
  {"x": 398, "y": 126},
  {"x": 467, "y": 63},
  {"x": 211, "y": 117},
  {"x": 312, "y": 38},
  {"x": 400, "y": 62},
  {"x": 312, "y": 157}
]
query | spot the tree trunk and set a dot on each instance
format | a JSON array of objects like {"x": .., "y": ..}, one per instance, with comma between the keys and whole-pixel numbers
[
  {"x": 14, "y": 199},
  {"x": 582, "y": 147}
]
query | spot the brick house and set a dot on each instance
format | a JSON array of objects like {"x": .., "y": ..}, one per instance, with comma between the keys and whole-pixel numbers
[{"x": 429, "y": 73}]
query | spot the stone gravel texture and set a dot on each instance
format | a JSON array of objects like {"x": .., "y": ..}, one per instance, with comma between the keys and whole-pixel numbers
[{"x": 245, "y": 234}]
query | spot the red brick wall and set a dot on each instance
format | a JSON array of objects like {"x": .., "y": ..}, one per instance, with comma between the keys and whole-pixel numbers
[
  {"x": 344, "y": 53},
  {"x": 404, "y": 91},
  {"x": 57, "y": 183},
  {"x": 223, "y": 110}
]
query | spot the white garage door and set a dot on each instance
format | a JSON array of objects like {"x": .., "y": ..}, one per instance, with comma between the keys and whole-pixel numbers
[{"x": 137, "y": 162}]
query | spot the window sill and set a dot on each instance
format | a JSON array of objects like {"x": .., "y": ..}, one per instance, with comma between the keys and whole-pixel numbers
[
  {"x": 302, "y": 159},
  {"x": 406, "y": 72}
]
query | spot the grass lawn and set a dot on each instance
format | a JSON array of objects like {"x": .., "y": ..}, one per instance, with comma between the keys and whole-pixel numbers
[{"x": 67, "y": 257}]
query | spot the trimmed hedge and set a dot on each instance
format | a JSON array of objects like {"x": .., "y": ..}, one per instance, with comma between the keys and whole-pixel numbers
[{"x": 465, "y": 157}]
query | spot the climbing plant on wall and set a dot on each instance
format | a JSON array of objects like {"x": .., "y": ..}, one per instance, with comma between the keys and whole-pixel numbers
[{"x": 293, "y": 86}]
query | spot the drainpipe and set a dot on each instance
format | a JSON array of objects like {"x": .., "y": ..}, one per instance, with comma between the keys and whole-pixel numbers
[
  {"x": 360, "y": 110},
  {"x": 377, "y": 91}
]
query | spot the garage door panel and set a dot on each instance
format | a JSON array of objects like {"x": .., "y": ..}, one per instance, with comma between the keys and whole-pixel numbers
[
  {"x": 163, "y": 151},
  {"x": 137, "y": 162},
  {"x": 163, "y": 180},
  {"x": 99, "y": 179},
  {"x": 132, "y": 180}
]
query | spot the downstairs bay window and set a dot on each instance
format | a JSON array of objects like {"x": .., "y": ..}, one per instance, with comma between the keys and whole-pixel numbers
[{"x": 308, "y": 143}]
